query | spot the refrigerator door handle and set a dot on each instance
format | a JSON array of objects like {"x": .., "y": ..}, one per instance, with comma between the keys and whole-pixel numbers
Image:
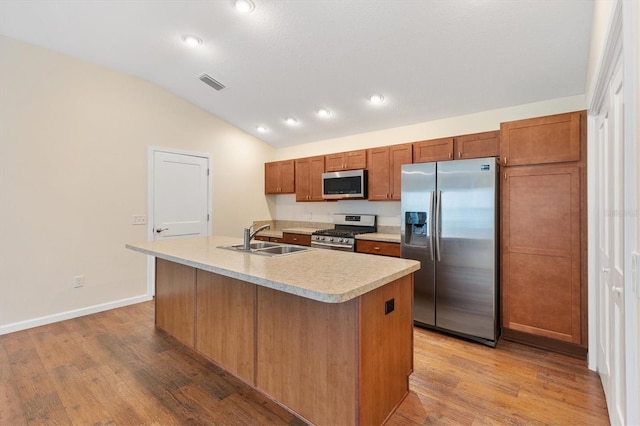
[
  {"x": 432, "y": 195},
  {"x": 436, "y": 225}
]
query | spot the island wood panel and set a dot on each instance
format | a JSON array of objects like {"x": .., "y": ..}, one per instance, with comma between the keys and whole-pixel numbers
[
  {"x": 385, "y": 363},
  {"x": 541, "y": 281},
  {"x": 306, "y": 355},
  {"x": 175, "y": 300},
  {"x": 225, "y": 323}
]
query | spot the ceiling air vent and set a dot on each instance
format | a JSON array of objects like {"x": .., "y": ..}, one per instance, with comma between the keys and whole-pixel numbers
[{"x": 211, "y": 82}]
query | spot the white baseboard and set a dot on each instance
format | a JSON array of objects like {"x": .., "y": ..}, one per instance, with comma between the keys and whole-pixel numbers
[{"x": 50, "y": 319}]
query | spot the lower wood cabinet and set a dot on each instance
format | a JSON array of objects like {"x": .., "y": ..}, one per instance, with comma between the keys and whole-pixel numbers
[
  {"x": 542, "y": 290},
  {"x": 378, "y": 247}
]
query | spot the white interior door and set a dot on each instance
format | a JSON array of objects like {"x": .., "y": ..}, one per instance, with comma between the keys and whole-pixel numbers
[
  {"x": 611, "y": 317},
  {"x": 180, "y": 195}
]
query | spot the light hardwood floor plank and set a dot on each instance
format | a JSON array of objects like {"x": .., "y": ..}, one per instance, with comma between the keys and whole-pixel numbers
[{"x": 115, "y": 367}]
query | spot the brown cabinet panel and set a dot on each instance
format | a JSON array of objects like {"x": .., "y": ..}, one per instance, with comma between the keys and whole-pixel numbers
[
  {"x": 308, "y": 172},
  {"x": 541, "y": 251},
  {"x": 279, "y": 177},
  {"x": 398, "y": 155},
  {"x": 433, "y": 150},
  {"x": 478, "y": 145},
  {"x": 378, "y": 247},
  {"x": 175, "y": 300},
  {"x": 225, "y": 323},
  {"x": 351, "y": 160},
  {"x": 307, "y": 355},
  {"x": 380, "y": 357},
  {"x": 378, "y": 174},
  {"x": 298, "y": 239},
  {"x": 542, "y": 140},
  {"x": 384, "y": 171}
]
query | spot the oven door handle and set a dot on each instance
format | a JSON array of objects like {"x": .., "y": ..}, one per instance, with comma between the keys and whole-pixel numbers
[{"x": 316, "y": 243}]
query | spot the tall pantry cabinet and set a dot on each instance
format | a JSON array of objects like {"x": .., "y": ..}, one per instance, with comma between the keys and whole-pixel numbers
[{"x": 544, "y": 289}]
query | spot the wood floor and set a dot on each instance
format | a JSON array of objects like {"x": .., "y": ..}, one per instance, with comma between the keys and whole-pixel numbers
[{"x": 115, "y": 368}]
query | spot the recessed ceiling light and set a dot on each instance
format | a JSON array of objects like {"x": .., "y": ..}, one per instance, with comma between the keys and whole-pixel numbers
[
  {"x": 244, "y": 6},
  {"x": 261, "y": 129},
  {"x": 376, "y": 98},
  {"x": 191, "y": 41},
  {"x": 323, "y": 112},
  {"x": 291, "y": 121}
]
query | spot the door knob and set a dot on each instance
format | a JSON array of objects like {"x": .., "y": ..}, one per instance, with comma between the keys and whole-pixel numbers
[{"x": 159, "y": 230}]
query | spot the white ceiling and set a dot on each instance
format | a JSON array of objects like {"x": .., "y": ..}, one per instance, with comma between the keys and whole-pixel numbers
[{"x": 430, "y": 59}]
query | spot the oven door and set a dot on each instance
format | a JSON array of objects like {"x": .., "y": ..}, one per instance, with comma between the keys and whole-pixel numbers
[{"x": 333, "y": 246}]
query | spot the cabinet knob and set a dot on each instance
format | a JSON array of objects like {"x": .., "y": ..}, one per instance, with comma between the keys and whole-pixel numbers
[
  {"x": 376, "y": 248},
  {"x": 505, "y": 161},
  {"x": 450, "y": 156},
  {"x": 459, "y": 154}
]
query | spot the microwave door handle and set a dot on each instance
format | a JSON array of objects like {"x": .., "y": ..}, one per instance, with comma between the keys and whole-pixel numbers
[
  {"x": 431, "y": 206},
  {"x": 437, "y": 225}
]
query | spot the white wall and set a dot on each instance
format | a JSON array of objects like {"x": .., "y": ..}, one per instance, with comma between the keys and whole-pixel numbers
[{"x": 73, "y": 147}]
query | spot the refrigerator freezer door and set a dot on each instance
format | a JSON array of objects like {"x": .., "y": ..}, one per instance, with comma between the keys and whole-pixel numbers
[
  {"x": 418, "y": 189},
  {"x": 466, "y": 289}
]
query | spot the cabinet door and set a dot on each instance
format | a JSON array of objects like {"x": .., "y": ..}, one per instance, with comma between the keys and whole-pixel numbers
[
  {"x": 271, "y": 178},
  {"x": 542, "y": 140},
  {"x": 433, "y": 150},
  {"x": 175, "y": 300},
  {"x": 541, "y": 271},
  {"x": 334, "y": 162},
  {"x": 378, "y": 174},
  {"x": 352, "y": 160},
  {"x": 356, "y": 160},
  {"x": 287, "y": 174},
  {"x": 315, "y": 178},
  {"x": 309, "y": 178},
  {"x": 478, "y": 145},
  {"x": 303, "y": 179},
  {"x": 398, "y": 155},
  {"x": 279, "y": 177}
]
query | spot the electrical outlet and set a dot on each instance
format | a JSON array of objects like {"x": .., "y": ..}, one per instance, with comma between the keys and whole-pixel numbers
[
  {"x": 139, "y": 219},
  {"x": 78, "y": 281}
]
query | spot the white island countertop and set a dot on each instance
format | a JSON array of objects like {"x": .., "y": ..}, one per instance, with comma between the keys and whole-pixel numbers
[{"x": 324, "y": 275}]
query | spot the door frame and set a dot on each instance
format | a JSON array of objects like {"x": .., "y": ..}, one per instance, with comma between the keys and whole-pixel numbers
[
  {"x": 622, "y": 41},
  {"x": 151, "y": 150}
]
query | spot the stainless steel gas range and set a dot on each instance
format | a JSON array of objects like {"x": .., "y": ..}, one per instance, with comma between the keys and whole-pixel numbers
[{"x": 342, "y": 236}]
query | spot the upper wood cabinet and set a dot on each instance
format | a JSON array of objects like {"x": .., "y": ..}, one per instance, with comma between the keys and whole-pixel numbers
[
  {"x": 351, "y": 160},
  {"x": 477, "y": 145},
  {"x": 279, "y": 177},
  {"x": 433, "y": 150},
  {"x": 309, "y": 178},
  {"x": 541, "y": 140},
  {"x": 384, "y": 171}
]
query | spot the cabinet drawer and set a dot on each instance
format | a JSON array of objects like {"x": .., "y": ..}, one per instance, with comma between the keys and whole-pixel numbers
[
  {"x": 299, "y": 239},
  {"x": 378, "y": 247}
]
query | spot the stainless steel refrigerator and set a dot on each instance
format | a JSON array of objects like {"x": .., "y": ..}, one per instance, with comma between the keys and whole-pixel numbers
[{"x": 450, "y": 224}]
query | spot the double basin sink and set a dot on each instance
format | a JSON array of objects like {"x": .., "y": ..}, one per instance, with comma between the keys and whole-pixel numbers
[{"x": 267, "y": 249}]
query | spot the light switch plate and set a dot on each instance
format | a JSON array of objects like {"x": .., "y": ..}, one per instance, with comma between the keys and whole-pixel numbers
[{"x": 139, "y": 219}]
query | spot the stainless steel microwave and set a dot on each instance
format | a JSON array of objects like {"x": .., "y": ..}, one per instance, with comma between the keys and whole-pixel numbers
[{"x": 344, "y": 185}]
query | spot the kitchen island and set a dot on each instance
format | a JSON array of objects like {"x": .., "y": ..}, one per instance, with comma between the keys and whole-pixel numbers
[{"x": 326, "y": 334}]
